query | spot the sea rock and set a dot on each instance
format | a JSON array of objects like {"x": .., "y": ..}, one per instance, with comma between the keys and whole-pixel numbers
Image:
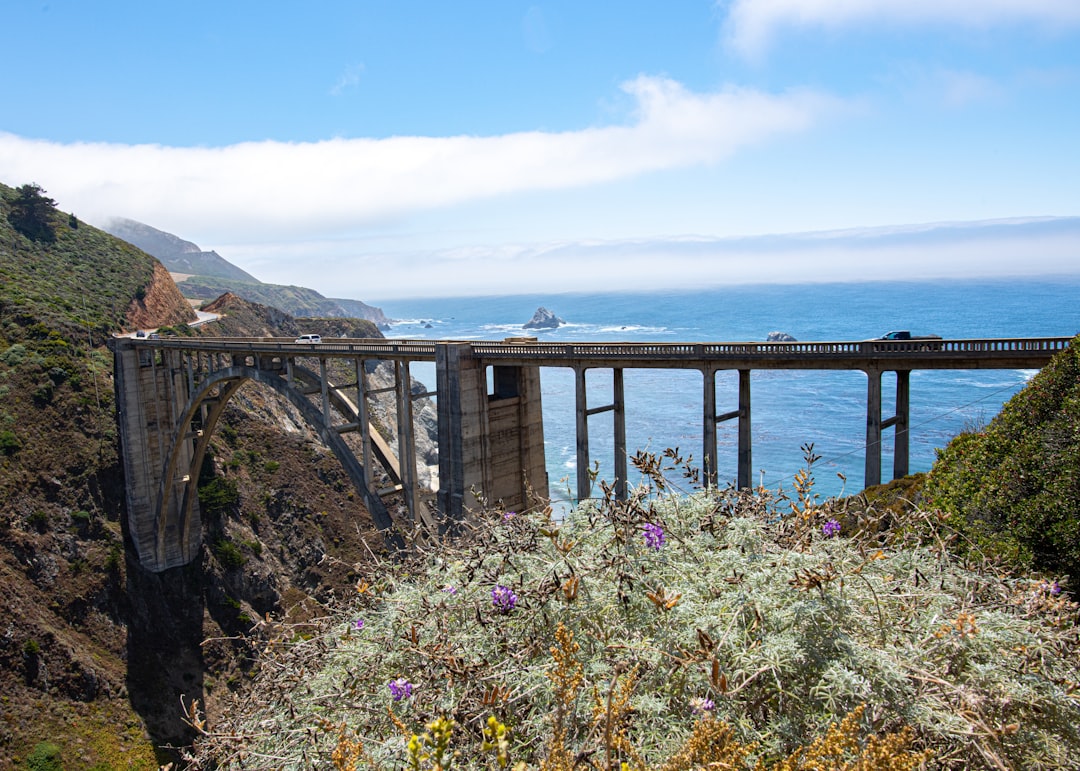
[
  {"x": 780, "y": 337},
  {"x": 543, "y": 319}
]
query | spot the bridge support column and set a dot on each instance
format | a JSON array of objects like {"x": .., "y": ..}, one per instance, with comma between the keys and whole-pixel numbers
[
  {"x": 581, "y": 414},
  {"x": 746, "y": 454},
  {"x": 902, "y": 420},
  {"x": 872, "y": 474},
  {"x": 875, "y": 425},
  {"x": 708, "y": 450},
  {"x": 149, "y": 385},
  {"x": 744, "y": 473},
  {"x": 406, "y": 440},
  {"x": 491, "y": 447},
  {"x": 618, "y": 407}
]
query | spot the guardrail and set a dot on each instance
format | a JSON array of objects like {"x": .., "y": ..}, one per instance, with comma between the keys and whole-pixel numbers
[{"x": 643, "y": 354}]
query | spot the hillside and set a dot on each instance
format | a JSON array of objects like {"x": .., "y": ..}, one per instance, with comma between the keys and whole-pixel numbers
[
  {"x": 96, "y": 652},
  {"x": 295, "y": 300},
  {"x": 207, "y": 275},
  {"x": 176, "y": 254},
  {"x": 1013, "y": 487}
]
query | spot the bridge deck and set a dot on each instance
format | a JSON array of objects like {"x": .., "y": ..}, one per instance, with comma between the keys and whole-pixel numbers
[{"x": 989, "y": 353}]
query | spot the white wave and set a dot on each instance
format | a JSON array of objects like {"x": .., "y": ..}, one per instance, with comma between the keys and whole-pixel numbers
[
  {"x": 636, "y": 329},
  {"x": 415, "y": 322}
]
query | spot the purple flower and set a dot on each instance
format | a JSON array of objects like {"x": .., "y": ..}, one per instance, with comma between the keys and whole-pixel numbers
[
  {"x": 359, "y": 624},
  {"x": 701, "y": 705},
  {"x": 507, "y": 516},
  {"x": 503, "y": 598},
  {"x": 400, "y": 689},
  {"x": 830, "y": 528},
  {"x": 654, "y": 536},
  {"x": 1053, "y": 589},
  {"x": 450, "y": 589}
]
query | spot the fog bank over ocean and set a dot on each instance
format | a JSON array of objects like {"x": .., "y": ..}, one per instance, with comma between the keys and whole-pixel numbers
[{"x": 381, "y": 270}]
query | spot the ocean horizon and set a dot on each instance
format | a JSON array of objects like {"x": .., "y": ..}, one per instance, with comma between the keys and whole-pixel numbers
[{"x": 791, "y": 408}]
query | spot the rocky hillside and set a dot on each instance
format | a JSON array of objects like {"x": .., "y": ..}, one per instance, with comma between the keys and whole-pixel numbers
[
  {"x": 207, "y": 275},
  {"x": 97, "y": 654},
  {"x": 176, "y": 254},
  {"x": 296, "y": 300}
]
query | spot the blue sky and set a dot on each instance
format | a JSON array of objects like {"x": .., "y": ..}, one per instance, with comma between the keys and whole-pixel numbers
[{"x": 387, "y": 149}]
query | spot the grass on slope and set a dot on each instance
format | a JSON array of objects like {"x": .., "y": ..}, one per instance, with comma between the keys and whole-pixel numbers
[{"x": 79, "y": 285}]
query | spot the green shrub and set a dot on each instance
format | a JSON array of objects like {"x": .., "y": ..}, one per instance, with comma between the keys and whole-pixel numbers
[
  {"x": 114, "y": 560},
  {"x": 45, "y": 757},
  {"x": 43, "y": 394},
  {"x": 228, "y": 433},
  {"x": 229, "y": 554},
  {"x": 1013, "y": 489},
  {"x": 38, "y": 520},
  {"x": 14, "y": 355},
  {"x": 218, "y": 495},
  {"x": 9, "y": 442}
]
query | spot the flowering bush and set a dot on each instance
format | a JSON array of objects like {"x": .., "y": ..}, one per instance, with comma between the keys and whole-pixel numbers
[{"x": 750, "y": 631}]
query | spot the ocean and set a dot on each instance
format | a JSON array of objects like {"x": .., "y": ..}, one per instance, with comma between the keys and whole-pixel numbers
[{"x": 790, "y": 408}]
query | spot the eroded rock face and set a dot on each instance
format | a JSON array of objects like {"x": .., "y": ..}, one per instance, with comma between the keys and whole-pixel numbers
[
  {"x": 161, "y": 304},
  {"x": 543, "y": 319}
]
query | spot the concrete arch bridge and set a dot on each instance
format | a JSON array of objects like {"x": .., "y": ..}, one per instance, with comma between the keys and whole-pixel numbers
[{"x": 171, "y": 393}]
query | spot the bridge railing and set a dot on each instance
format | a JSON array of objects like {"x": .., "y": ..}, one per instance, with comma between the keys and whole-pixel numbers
[
  {"x": 553, "y": 352},
  {"x": 763, "y": 350},
  {"x": 369, "y": 348}
]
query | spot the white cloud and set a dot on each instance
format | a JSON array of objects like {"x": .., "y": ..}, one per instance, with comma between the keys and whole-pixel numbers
[
  {"x": 303, "y": 190},
  {"x": 752, "y": 23}
]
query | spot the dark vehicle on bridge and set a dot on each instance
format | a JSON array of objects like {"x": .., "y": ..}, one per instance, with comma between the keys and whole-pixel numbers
[
  {"x": 903, "y": 334},
  {"x": 929, "y": 342}
]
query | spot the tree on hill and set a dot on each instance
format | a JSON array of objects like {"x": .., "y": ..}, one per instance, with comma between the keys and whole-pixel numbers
[{"x": 32, "y": 212}]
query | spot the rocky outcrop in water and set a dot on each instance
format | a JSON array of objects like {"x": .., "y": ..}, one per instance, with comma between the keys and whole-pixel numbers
[{"x": 543, "y": 319}]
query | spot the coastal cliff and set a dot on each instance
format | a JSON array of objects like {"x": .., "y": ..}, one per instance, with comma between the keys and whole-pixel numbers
[{"x": 159, "y": 303}]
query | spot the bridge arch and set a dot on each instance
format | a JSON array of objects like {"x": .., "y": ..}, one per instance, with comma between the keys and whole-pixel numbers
[{"x": 214, "y": 393}]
